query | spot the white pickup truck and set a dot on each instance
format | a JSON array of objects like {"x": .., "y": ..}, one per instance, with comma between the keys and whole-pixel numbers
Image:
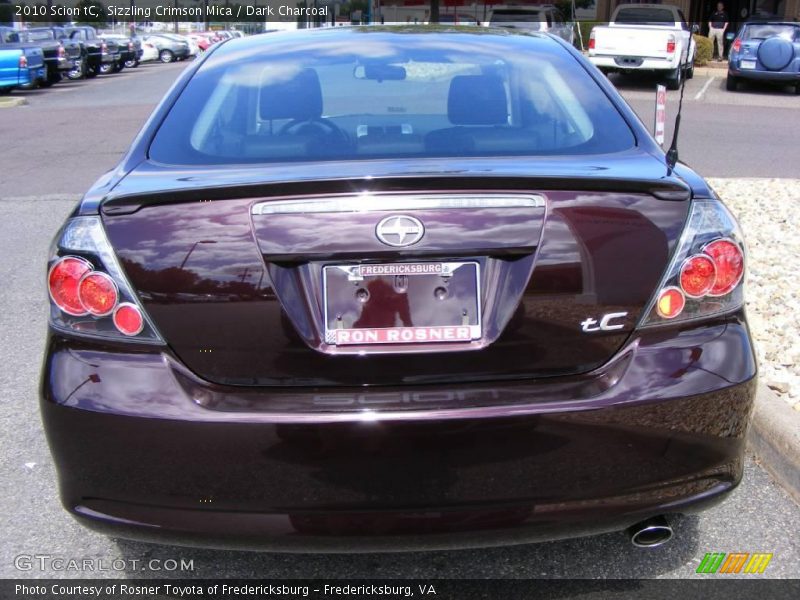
[{"x": 645, "y": 37}]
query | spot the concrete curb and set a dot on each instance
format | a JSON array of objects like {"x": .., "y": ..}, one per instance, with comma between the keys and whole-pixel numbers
[
  {"x": 10, "y": 102},
  {"x": 775, "y": 438}
]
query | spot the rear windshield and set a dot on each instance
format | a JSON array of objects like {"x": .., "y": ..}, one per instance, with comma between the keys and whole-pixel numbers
[
  {"x": 349, "y": 96},
  {"x": 645, "y": 16},
  {"x": 37, "y": 36},
  {"x": 762, "y": 32},
  {"x": 530, "y": 20}
]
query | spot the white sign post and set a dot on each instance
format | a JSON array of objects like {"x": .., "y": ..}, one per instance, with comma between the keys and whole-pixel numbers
[{"x": 661, "y": 113}]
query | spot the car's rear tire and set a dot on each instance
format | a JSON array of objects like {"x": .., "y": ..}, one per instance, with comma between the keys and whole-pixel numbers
[
  {"x": 118, "y": 67},
  {"x": 92, "y": 71},
  {"x": 675, "y": 78},
  {"x": 107, "y": 68},
  {"x": 131, "y": 64},
  {"x": 166, "y": 56},
  {"x": 731, "y": 83},
  {"x": 690, "y": 71}
]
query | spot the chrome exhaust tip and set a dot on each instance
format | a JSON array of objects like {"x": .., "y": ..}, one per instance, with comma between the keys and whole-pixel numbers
[{"x": 650, "y": 533}]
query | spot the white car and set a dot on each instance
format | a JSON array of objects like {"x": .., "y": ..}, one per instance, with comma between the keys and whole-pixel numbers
[
  {"x": 149, "y": 52},
  {"x": 645, "y": 37}
]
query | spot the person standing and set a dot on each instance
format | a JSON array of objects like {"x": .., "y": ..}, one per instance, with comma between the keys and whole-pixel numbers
[{"x": 717, "y": 26}]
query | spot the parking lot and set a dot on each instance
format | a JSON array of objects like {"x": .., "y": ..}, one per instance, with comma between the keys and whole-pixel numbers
[{"x": 67, "y": 136}]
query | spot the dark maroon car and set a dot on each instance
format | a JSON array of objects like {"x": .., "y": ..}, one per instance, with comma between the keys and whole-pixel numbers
[{"x": 394, "y": 288}]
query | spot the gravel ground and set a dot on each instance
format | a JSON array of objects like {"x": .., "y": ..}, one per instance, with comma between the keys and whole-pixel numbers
[{"x": 768, "y": 211}]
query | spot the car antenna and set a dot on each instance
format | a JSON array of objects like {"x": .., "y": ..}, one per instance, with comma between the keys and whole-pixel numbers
[{"x": 672, "y": 153}]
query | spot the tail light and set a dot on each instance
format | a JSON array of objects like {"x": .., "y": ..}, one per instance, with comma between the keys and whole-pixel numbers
[
  {"x": 671, "y": 44},
  {"x": 705, "y": 275},
  {"x": 591, "y": 41},
  {"x": 670, "y": 303},
  {"x": 89, "y": 293},
  {"x": 130, "y": 46},
  {"x": 23, "y": 62},
  {"x": 61, "y": 52},
  {"x": 104, "y": 48},
  {"x": 698, "y": 275},
  {"x": 737, "y": 45}
]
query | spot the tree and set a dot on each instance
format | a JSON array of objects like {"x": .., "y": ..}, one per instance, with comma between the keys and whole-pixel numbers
[{"x": 434, "y": 18}]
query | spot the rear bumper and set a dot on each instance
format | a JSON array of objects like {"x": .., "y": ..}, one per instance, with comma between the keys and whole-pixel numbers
[
  {"x": 141, "y": 454},
  {"x": 755, "y": 75},
  {"x": 60, "y": 64},
  {"x": 617, "y": 63}
]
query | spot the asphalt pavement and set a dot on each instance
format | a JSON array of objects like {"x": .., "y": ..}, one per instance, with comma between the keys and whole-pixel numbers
[{"x": 67, "y": 136}]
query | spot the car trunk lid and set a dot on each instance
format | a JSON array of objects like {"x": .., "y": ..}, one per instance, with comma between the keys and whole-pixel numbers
[{"x": 252, "y": 283}]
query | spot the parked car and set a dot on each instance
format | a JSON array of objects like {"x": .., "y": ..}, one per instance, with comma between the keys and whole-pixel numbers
[
  {"x": 59, "y": 57},
  {"x": 534, "y": 18},
  {"x": 149, "y": 52},
  {"x": 194, "y": 48},
  {"x": 203, "y": 40},
  {"x": 457, "y": 19},
  {"x": 653, "y": 38},
  {"x": 169, "y": 48},
  {"x": 101, "y": 56},
  {"x": 768, "y": 52},
  {"x": 491, "y": 312},
  {"x": 73, "y": 48},
  {"x": 21, "y": 64},
  {"x": 130, "y": 49}
]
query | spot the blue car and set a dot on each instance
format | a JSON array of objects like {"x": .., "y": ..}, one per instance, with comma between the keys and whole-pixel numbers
[
  {"x": 21, "y": 65},
  {"x": 768, "y": 52}
]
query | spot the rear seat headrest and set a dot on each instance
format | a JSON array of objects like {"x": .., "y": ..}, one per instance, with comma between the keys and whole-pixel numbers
[
  {"x": 477, "y": 100},
  {"x": 299, "y": 97}
]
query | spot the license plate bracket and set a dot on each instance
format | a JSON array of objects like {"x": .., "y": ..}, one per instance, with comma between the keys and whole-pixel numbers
[{"x": 402, "y": 303}]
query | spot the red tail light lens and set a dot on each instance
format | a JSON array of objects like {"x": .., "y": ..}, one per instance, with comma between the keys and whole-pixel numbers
[
  {"x": 23, "y": 62},
  {"x": 729, "y": 262},
  {"x": 737, "y": 45},
  {"x": 670, "y": 302},
  {"x": 61, "y": 52},
  {"x": 128, "y": 319},
  {"x": 104, "y": 48},
  {"x": 62, "y": 283},
  {"x": 591, "y": 42},
  {"x": 98, "y": 294},
  {"x": 670, "y": 45},
  {"x": 698, "y": 275}
]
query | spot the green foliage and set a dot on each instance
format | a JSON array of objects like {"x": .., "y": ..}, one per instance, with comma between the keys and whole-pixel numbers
[
  {"x": 705, "y": 50},
  {"x": 565, "y": 6},
  {"x": 586, "y": 29}
]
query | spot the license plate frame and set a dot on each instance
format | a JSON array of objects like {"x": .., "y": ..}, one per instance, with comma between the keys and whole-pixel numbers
[
  {"x": 747, "y": 65},
  {"x": 424, "y": 277}
]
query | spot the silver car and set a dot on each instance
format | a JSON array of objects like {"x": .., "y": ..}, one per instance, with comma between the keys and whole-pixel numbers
[{"x": 534, "y": 18}]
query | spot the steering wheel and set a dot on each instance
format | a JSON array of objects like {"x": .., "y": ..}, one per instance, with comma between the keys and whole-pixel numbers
[{"x": 296, "y": 125}]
